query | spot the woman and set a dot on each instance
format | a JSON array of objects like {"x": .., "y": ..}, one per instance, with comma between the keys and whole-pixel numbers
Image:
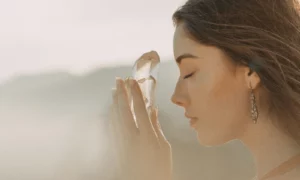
[{"x": 239, "y": 63}]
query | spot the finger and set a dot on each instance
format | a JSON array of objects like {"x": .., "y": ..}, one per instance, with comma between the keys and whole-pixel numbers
[
  {"x": 118, "y": 124},
  {"x": 118, "y": 131},
  {"x": 124, "y": 107},
  {"x": 142, "y": 118},
  {"x": 115, "y": 124},
  {"x": 154, "y": 121},
  {"x": 160, "y": 135}
]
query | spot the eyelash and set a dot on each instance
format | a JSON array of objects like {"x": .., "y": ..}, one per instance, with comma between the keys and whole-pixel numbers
[{"x": 187, "y": 76}]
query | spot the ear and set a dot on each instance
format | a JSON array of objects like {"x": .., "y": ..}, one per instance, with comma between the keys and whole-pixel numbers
[{"x": 251, "y": 78}]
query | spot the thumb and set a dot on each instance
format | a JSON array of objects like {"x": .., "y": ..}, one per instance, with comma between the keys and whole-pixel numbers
[{"x": 157, "y": 127}]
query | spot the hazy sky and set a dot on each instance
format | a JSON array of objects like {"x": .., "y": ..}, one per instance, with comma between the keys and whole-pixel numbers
[{"x": 77, "y": 35}]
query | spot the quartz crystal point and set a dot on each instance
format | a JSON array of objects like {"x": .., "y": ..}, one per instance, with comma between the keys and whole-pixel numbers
[{"x": 145, "y": 72}]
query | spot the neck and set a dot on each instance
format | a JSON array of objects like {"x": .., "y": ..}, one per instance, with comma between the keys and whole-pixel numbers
[{"x": 269, "y": 146}]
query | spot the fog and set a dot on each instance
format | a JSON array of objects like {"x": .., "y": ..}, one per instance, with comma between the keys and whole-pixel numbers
[
  {"x": 54, "y": 126},
  {"x": 59, "y": 60}
]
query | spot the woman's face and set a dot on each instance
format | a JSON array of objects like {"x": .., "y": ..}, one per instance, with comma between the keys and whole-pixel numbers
[{"x": 211, "y": 89}]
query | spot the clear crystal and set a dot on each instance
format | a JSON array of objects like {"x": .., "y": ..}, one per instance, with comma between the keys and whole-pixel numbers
[{"x": 145, "y": 72}]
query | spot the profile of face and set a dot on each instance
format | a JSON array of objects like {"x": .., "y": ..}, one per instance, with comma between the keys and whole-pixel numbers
[{"x": 213, "y": 90}]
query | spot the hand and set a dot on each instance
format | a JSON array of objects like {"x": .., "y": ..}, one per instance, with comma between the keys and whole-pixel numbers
[{"x": 142, "y": 151}]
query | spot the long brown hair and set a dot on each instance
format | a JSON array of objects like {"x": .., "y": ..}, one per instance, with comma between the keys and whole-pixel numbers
[{"x": 262, "y": 34}]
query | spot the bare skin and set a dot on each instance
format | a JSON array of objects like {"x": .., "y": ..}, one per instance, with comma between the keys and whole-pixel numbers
[
  {"x": 142, "y": 150},
  {"x": 215, "y": 95}
]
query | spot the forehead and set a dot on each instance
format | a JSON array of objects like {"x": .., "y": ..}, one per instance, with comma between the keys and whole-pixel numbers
[{"x": 182, "y": 43}]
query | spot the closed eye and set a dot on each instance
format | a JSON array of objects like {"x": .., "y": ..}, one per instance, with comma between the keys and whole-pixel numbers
[{"x": 187, "y": 76}]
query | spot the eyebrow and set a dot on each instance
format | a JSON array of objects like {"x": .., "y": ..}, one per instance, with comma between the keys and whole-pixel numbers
[{"x": 183, "y": 56}]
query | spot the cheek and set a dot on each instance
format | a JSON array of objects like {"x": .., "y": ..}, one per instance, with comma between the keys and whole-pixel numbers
[
  {"x": 224, "y": 96},
  {"x": 216, "y": 96},
  {"x": 218, "y": 103},
  {"x": 201, "y": 85},
  {"x": 199, "y": 88},
  {"x": 228, "y": 97}
]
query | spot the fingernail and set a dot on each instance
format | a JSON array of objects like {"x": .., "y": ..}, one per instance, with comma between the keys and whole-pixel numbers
[
  {"x": 127, "y": 80},
  {"x": 131, "y": 82}
]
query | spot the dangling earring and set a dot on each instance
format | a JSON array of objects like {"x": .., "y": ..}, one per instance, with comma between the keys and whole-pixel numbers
[{"x": 254, "y": 111}]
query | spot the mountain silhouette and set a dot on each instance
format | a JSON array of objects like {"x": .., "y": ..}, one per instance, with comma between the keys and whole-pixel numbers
[{"x": 63, "y": 120}]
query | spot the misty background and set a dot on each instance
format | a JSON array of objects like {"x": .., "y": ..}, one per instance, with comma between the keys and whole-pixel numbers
[{"x": 58, "y": 63}]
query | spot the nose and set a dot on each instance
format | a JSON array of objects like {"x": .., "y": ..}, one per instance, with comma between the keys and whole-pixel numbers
[
  {"x": 179, "y": 96},
  {"x": 176, "y": 100}
]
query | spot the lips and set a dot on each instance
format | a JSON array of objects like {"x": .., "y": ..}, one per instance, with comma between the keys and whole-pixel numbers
[
  {"x": 193, "y": 120},
  {"x": 189, "y": 117}
]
